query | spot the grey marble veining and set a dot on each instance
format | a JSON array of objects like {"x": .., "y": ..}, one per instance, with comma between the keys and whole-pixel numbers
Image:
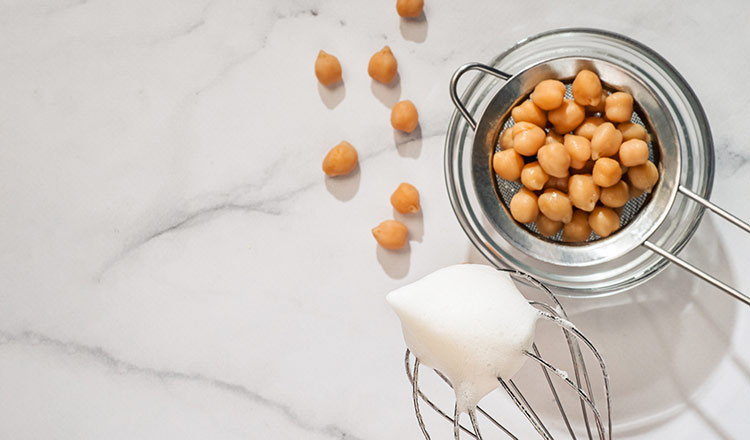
[{"x": 174, "y": 264}]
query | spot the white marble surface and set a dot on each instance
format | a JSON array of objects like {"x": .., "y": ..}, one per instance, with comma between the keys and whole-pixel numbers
[{"x": 173, "y": 264}]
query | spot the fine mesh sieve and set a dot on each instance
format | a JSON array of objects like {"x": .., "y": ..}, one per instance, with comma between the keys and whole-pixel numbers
[
  {"x": 506, "y": 189},
  {"x": 665, "y": 106}
]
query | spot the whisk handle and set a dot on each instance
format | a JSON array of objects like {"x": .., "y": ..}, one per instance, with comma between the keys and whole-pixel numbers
[
  {"x": 697, "y": 272},
  {"x": 454, "y": 87}
]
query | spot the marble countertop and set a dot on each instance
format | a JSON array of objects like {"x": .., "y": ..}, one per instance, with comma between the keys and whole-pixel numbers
[{"x": 173, "y": 263}]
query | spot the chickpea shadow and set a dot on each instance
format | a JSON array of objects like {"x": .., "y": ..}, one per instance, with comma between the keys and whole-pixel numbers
[
  {"x": 389, "y": 94},
  {"x": 395, "y": 263},
  {"x": 414, "y": 29},
  {"x": 408, "y": 144},
  {"x": 415, "y": 223},
  {"x": 333, "y": 94},
  {"x": 345, "y": 187}
]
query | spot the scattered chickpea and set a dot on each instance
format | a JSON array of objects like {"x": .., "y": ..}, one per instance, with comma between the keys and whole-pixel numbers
[
  {"x": 554, "y": 159},
  {"x": 577, "y": 229},
  {"x": 600, "y": 107},
  {"x": 583, "y": 192},
  {"x": 587, "y": 89},
  {"x": 391, "y": 234},
  {"x": 507, "y": 164},
  {"x": 559, "y": 183},
  {"x": 327, "y": 68},
  {"x": 577, "y": 165},
  {"x": 630, "y": 131},
  {"x": 533, "y": 176},
  {"x": 547, "y": 227},
  {"x": 567, "y": 117},
  {"x": 548, "y": 94},
  {"x": 578, "y": 147},
  {"x": 405, "y": 199},
  {"x": 523, "y": 206},
  {"x": 553, "y": 137},
  {"x": 633, "y": 152},
  {"x": 605, "y": 141},
  {"x": 383, "y": 66},
  {"x": 555, "y": 205},
  {"x": 586, "y": 129},
  {"x": 606, "y": 172},
  {"x": 616, "y": 195},
  {"x": 619, "y": 107},
  {"x": 604, "y": 221},
  {"x": 643, "y": 177},
  {"x": 506, "y": 139},
  {"x": 342, "y": 159},
  {"x": 404, "y": 116},
  {"x": 529, "y": 112},
  {"x": 527, "y": 138},
  {"x": 409, "y": 8}
]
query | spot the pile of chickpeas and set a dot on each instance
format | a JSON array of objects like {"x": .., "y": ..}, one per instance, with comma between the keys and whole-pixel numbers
[{"x": 579, "y": 160}]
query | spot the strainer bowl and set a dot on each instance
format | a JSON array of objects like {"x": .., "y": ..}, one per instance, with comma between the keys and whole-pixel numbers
[{"x": 683, "y": 149}]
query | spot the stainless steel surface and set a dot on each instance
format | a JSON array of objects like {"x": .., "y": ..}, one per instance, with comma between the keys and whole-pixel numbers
[
  {"x": 681, "y": 148},
  {"x": 581, "y": 386}
]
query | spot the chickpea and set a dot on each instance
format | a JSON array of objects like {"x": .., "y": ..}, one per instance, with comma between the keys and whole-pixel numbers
[
  {"x": 559, "y": 183},
  {"x": 383, "y": 66},
  {"x": 327, "y": 68},
  {"x": 409, "y": 8},
  {"x": 599, "y": 108},
  {"x": 529, "y": 112},
  {"x": 644, "y": 177},
  {"x": 567, "y": 117},
  {"x": 633, "y": 152},
  {"x": 554, "y": 159},
  {"x": 391, "y": 234},
  {"x": 506, "y": 139},
  {"x": 523, "y": 206},
  {"x": 578, "y": 228},
  {"x": 405, "y": 199},
  {"x": 553, "y": 137},
  {"x": 605, "y": 141},
  {"x": 616, "y": 195},
  {"x": 548, "y": 94},
  {"x": 630, "y": 131},
  {"x": 604, "y": 221},
  {"x": 578, "y": 147},
  {"x": 507, "y": 164},
  {"x": 583, "y": 192},
  {"x": 547, "y": 227},
  {"x": 555, "y": 205},
  {"x": 619, "y": 107},
  {"x": 586, "y": 129},
  {"x": 587, "y": 168},
  {"x": 342, "y": 159},
  {"x": 587, "y": 89},
  {"x": 404, "y": 116},
  {"x": 606, "y": 172},
  {"x": 577, "y": 165},
  {"x": 533, "y": 176},
  {"x": 527, "y": 138}
]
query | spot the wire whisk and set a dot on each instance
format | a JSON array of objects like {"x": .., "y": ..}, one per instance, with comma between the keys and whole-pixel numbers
[{"x": 602, "y": 423}]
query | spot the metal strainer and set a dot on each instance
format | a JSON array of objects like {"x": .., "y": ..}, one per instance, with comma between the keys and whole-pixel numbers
[{"x": 665, "y": 106}]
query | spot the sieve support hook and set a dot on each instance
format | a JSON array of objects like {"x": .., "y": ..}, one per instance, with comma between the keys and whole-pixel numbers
[
  {"x": 454, "y": 87},
  {"x": 689, "y": 267}
]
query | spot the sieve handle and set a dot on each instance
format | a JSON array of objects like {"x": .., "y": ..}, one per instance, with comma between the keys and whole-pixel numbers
[
  {"x": 454, "y": 87},
  {"x": 694, "y": 270}
]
